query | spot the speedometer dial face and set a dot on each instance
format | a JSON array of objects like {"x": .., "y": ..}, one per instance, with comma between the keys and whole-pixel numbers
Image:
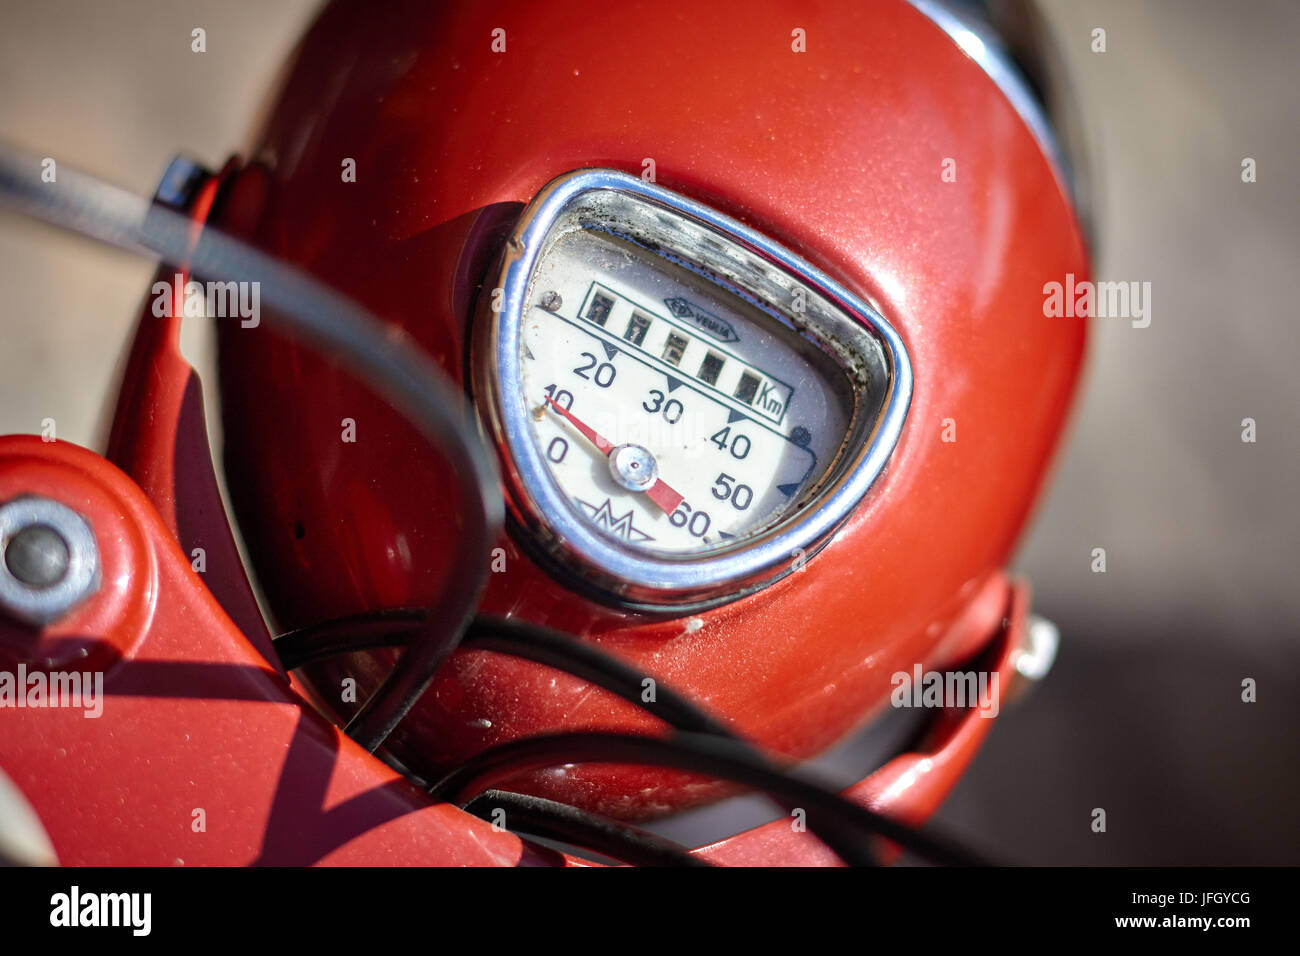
[
  {"x": 684, "y": 410},
  {"x": 675, "y": 419}
]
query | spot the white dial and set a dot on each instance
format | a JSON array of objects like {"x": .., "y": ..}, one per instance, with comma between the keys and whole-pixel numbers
[
  {"x": 684, "y": 409},
  {"x": 674, "y": 417}
]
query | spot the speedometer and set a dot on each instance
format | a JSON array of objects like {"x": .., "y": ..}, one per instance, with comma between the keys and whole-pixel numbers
[{"x": 684, "y": 410}]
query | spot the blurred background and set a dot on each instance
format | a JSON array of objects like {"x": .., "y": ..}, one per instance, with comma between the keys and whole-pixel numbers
[{"x": 1142, "y": 715}]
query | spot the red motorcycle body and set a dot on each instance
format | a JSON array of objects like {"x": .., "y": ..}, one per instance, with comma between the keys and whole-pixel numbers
[
  {"x": 843, "y": 153},
  {"x": 838, "y": 153}
]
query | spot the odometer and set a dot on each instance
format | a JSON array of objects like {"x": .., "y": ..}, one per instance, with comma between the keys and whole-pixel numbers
[
  {"x": 684, "y": 409},
  {"x": 732, "y": 417}
]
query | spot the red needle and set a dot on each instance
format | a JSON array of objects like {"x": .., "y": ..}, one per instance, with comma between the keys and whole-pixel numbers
[
  {"x": 662, "y": 495},
  {"x": 590, "y": 433},
  {"x": 667, "y": 499}
]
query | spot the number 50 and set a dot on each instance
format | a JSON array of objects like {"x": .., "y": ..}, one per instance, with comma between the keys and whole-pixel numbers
[{"x": 740, "y": 496}]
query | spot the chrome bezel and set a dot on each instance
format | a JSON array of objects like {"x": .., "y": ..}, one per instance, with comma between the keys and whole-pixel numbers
[
  {"x": 1050, "y": 114},
  {"x": 41, "y": 605},
  {"x": 744, "y": 262}
]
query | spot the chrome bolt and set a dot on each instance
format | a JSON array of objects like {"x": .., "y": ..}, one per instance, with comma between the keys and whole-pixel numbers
[
  {"x": 38, "y": 556},
  {"x": 633, "y": 467},
  {"x": 51, "y": 560},
  {"x": 1038, "y": 653}
]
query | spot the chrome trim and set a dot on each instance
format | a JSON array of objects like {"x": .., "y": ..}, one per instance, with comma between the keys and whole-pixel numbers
[
  {"x": 979, "y": 41},
  {"x": 727, "y": 250},
  {"x": 1037, "y": 652}
]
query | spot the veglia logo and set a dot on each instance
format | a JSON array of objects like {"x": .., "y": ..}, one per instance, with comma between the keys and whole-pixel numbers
[{"x": 706, "y": 322}]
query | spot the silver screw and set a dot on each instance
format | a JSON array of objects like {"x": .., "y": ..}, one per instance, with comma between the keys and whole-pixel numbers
[
  {"x": 38, "y": 556},
  {"x": 633, "y": 467},
  {"x": 51, "y": 559}
]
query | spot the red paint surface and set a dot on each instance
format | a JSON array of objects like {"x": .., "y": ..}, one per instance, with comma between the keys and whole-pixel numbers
[
  {"x": 193, "y": 719},
  {"x": 160, "y": 439},
  {"x": 836, "y": 153}
]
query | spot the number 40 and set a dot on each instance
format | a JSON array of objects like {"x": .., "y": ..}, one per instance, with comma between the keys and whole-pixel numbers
[{"x": 737, "y": 445}]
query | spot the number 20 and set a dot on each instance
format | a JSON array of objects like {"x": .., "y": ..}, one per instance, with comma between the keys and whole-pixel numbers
[{"x": 604, "y": 374}]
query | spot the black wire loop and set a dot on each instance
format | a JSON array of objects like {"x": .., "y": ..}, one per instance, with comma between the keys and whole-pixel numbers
[
  {"x": 329, "y": 321},
  {"x": 388, "y": 361}
]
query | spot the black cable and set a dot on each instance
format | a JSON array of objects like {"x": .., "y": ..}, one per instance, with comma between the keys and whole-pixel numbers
[
  {"x": 393, "y": 627},
  {"x": 309, "y": 310},
  {"x": 390, "y": 627},
  {"x": 563, "y": 652},
  {"x": 551, "y": 820},
  {"x": 566, "y": 653},
  {"x": 840, "y": 823}
]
